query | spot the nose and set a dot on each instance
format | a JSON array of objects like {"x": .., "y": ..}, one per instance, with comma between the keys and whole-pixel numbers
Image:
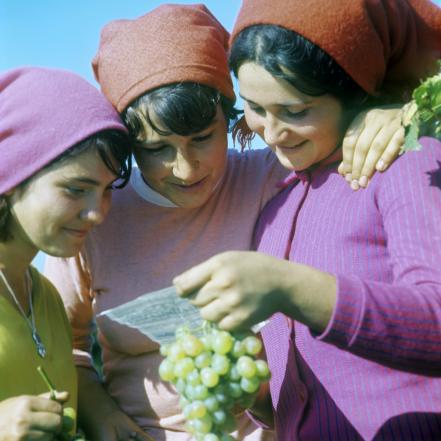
[
  {"x": 185, "y": 166},
  {"x": 275, "y": 131},
  {"x": 96, "y": 210}
]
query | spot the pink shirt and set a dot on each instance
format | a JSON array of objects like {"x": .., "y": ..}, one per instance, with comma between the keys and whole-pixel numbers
[
  {"x": 139, "y": 248},
  {"x": 375, "y": 373}
]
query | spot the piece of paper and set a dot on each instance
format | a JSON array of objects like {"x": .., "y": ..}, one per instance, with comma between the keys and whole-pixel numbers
[{"x": 157, "y": 314}]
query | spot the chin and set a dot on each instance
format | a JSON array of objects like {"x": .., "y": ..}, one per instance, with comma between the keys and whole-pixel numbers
[{"x": 62, "y": 251}]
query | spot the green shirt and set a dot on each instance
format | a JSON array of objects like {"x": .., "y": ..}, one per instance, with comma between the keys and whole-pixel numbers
[{"x": 18, "y": 354}]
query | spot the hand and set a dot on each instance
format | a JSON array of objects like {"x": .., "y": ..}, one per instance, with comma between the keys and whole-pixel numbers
[
  {"x": 235, "y": 289},
  {"x": 28, "y": 417},
  {"x": 372, "y": 142},
  {"x": 117, "y": 426},
  {"x": 238, "y": 289}
]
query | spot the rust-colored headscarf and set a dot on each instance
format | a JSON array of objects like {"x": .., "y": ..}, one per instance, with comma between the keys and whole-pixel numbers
[
  {"x": 171, "y": 44},
  {"x": 381, "y": 44}
]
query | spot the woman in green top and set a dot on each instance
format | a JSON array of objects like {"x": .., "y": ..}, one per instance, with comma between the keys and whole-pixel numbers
[{"x": 62, "y": 147}]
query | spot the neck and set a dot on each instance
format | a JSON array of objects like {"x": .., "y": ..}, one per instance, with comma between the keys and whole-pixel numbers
[{"x": 15, "y": 260}]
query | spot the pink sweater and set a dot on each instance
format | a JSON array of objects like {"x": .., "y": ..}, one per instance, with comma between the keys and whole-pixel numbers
[
  {"x": 139, "y": 248},
  {"x": 374, "y": 374}
]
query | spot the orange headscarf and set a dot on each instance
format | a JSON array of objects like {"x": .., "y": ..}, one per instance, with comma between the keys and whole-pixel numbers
[
  {"x": 381, "y": 44},
  {"x": 171, "y": 44}
]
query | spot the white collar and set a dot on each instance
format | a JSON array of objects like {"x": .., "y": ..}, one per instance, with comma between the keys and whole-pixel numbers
[{"x": 147, "y": 192}]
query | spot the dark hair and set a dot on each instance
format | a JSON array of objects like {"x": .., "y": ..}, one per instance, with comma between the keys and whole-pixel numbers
[
  {"x": 113, "y": 146},
  {"x": 291, "y": 57},
  {"x": 181, "y": 108}
]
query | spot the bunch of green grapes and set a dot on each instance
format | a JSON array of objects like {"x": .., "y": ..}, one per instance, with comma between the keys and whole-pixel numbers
[{"x": 213, "y": 374}]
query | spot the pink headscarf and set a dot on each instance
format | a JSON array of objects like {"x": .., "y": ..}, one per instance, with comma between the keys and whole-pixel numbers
[{"x": 44, "y": 112}]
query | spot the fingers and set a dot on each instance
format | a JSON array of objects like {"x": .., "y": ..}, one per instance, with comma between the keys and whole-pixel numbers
[
  {"x": 349, "y": 142},
  {"x": 199, "y": 276},
  {"x": 60, "y": 396},
  {"x": 392, "y": 151},
  {"x": 373, "y": 142},
  {"x": 42, "y": 403},
  {"x": 196, "y": 277}
]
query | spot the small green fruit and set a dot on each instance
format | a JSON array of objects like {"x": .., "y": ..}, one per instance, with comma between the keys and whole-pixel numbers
[{"x": 69, "y": 418}]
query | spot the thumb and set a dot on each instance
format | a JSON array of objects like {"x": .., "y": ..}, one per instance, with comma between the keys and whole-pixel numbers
[{"x": 60, "y": 396}]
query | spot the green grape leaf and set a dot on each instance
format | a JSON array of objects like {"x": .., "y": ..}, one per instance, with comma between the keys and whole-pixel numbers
[
  {"x": 421, "y": 117},
  {"x": 411, "y": 136}
]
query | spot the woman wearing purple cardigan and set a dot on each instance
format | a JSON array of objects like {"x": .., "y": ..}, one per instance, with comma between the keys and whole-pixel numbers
[{"x": 352, "y": 284}]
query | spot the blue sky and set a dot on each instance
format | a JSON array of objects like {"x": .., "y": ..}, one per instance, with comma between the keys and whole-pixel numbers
[{"x": 65, "y": 33}]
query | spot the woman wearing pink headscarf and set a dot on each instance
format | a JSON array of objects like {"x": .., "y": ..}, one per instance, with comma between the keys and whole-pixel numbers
[{"x": 62, "y": 149}]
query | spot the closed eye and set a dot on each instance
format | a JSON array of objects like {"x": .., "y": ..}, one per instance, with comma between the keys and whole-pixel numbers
[
  {"x": 74, "y": 191},
  {"x": 296, "y": 115},
  {"x": 203, "y": 138},
  {"x": 154, "y": 150}
]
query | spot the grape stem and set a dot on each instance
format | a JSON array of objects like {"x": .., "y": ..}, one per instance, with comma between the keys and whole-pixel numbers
[{"x": 47, "y": 381}]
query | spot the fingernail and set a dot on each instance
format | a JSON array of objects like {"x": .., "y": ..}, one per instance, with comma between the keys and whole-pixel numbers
[
  {"x": 348, "y": 177},
  {"x": 380, "y": 165},
  {"x": 363, "y": 181},
  {"x": 355, "y": 185}
]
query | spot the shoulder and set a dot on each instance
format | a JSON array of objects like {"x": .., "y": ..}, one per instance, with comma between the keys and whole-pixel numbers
[
  {"x": 45, "y": 288},
  {"x": 415, "y": 176},
  {"x": 414, "y": 164},
  {"x": 256, "y": 164}
]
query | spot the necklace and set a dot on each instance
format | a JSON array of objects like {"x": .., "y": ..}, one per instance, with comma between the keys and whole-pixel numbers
[{"x": 41, "y": 350}]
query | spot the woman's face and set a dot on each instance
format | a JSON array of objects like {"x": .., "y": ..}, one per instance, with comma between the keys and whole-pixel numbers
[
  {"x": 184, "y": 169},
  {"x": 57, "y": 207},
  {"x": 301, "y": 129}
]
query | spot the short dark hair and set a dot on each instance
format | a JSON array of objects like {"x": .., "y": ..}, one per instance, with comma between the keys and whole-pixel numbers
[
  {"x": 113, "y": 146},
  {"x": 181, "y": 108}
]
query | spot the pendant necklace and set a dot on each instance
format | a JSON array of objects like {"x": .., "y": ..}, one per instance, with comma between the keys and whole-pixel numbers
[{"x": 41, "y": 350}]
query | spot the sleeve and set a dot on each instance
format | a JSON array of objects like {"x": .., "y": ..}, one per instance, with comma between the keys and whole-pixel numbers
[
  {"x": 71, "y": 278},
  {"x": 399, "y": 323}
]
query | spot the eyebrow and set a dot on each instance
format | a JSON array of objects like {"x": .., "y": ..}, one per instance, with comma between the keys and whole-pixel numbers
[
  {"x": 153, "y": 144},
  {"x": 83, "y": 180},
  {"x": 286, "y": 104}
]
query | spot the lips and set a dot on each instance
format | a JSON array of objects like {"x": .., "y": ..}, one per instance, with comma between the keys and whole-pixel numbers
[
  {"x": 292, "y": 147},
  {"x": 81, "y": 233},
  {"x": 194, "y": 185}
]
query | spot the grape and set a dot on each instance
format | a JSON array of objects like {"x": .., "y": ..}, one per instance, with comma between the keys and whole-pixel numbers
[
  {"x": 166, "y": 370},
  {"x": 192, "y": 345},
  {"x": 193, "y": 378},
  {"x": 262, "y": 369},
  {"x": 213, "y": 373},
  {"x": 220, "y": 364},
  {"x": 210, "y": 437},
  {"x": 246, "y": 366},
  {"x": 201, "y": 392},
  {"x": 253, "y": 345},
  {"x": 250, "y": 385},
  {"x": 203, "y": 360},
  {"x": 209, "y": 377},
  {"x": 183, "y": 367},
  {"x": 222, "y": 342}
]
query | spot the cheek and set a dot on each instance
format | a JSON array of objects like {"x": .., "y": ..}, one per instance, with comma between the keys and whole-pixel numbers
[
  {"x": 252, "y": 120},
  {"x": 215, "y": 158},
  {"x": 153, "y": 168}
]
